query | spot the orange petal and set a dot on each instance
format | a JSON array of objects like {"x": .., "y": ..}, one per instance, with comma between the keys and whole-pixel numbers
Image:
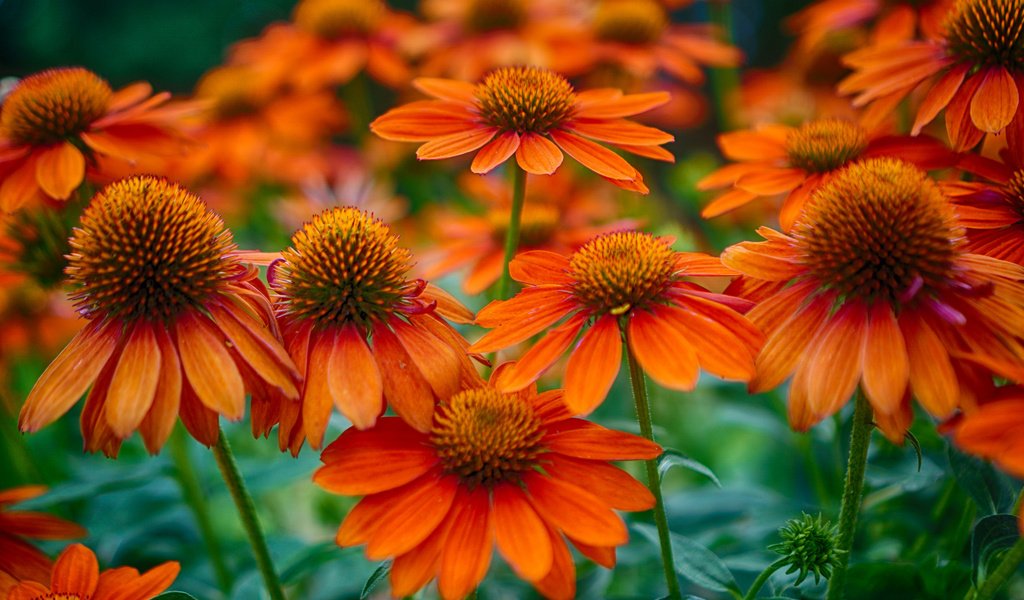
[
  {"x": 652, "y": 152},
  {"x": 938, "y": 96},
  {"x": 447, "y": 305},
  {"x": 144, "y": 587},
  {"x": 727, "y": 202},
  {"x": 753, "y": 145},
  {"x": 577, "y": 512},
  {"x": 423, "y": 121},
  {"x": 28, "y": 590},
  {"x": 405, "y": 388},
  {"x": 560, "y": 582},
  {"x": 316, "y": 395},
  {"x": 19, "y": 186},
  {"x": 611, "y": 484},
  {"x": 593, "y": 366},
  {"x": 665, "y": 354},
  {"x": 156, "y": 427},
  {"x": 39, "y": 526},
  {"x": 514, "y": 331},
  {"x": 621, "y": 131},
  {"x": 963, "y": 134},
  {"x": 436, "y": 360},
  {"x": 60, "y": 169},
  {"x": 995, "y": 102},
  {"x": 356, "y": 471},
  {"x": 412, "y": 570},
  {"x": 538, "y": 155},
  {"x": 447, "y": 89},
  {"x": 521, "y": 536},
  {"x": 467, "y": 550},
  {"x": 529, "y": 303},
  {"x": 75, "y": 572},
  {"x": 254, "y": 342},
  {"x": 410, "y": 519},
  {"x": 770, "y": 261},
  {"x": 542, "y": 355},
  {"x": 538, "y": 267},
  {"x": 209, "y": 367},
  {"x": 496, "y": 152},
  {"x": 134, "y": 383},
  {"x": 727, "y": 344},
  {"x": 834, "y": 361},
  {"x": 456, "y": 144},
  {"x": 788, "y": 344},
  {"x": 932, "y": 378},
  {"x": 611, "y": 107},
  {"x": 593, "y": 156},
  {"x": 353, "y": 379},
  {"x": 771, "y": 181},
  {"x": 583, "y": 439},
  {"x": 886, "y": 368}
]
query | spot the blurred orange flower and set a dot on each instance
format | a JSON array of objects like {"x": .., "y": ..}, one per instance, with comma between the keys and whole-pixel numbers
[
  {"x": 77, "y": 576},
  {"x": 343, "y": 281},
  {"x": 889, "y": 21},
  {"x": 626, "y": 283},
  {"x": 993, "y": 430},
  {"x": 532, "y": 113},
  {"x": 177, "y": 324},
  {"x": 513, "y": 471},
  {"x": 20, "y": 560},
  {"x": 796, "y": 161},
  {"x": 56, "y": 123},
  {"x": 873, "y": 287}
]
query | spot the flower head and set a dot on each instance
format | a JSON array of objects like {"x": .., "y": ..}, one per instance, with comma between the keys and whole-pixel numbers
[
  {"x": 341, "y": 285},
  {"x": 873, "y": 288},
  {"x": 809, "y": 546},
  {"x": 533, "y": 113},
  {"x": 619, "y": 284},
  {"x": 19, "y": 559},
  {"x": 56, "y": 123},
  {"x": 513, "y": 471},
  {"x": 992, "y": 212},
  {"x": 177, "y": 324}
]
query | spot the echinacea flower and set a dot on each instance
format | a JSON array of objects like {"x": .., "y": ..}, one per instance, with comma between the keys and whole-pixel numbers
[
  {"x": 512, "y": 471},
  {"x": 624, "y": 284},
  {"x": 975, "y": 71},
  {"x": 77, "y": 576},
  {"x": 874, "y": 288},
  {"x": 888, "y": 21},
  {"x": 177, "y": 324},
  {"x": 342, "y": 286},
  {"x": 56, "y": 123},
  {"x": 533, "y": 113},
  {"x": 20, "y": 560},
  {"x": 795, "y": 161},
  {"x": 992, "y": 213}
]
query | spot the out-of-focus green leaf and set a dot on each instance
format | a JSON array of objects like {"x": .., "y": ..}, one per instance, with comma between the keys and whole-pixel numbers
[
  {"x": 307, "y": 561},
  {"x": 175, "y": 596},
  {"x": 992, "y": 534},
  {"x": 378, "y": 575},
  {"x": 674, "y": 458},
  {"x": 694, "y": 562},
  {"x": 992, "y": 490}
]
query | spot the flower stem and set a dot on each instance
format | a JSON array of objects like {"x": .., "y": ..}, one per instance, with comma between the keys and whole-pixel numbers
[
  {"x": 853, "y": 487},
  {"x": 724, "y": 80},
  {"x": 247, "y": 512},
  {"x": 763, "y": 578},
  {"x": 1011, "y": 560},
  {"x": 643, "y": 417},
  {"x": 192, "y": 491},
  {"x": 512, "y": 233}
]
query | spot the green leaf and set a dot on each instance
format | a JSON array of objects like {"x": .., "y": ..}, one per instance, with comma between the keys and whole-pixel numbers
[
  {"x": 910, "y": 437},
  {"x": 991, "y": 490},
  {"x": 674, "y": 458},
  {"x": 379, "y": 575},
  {"x": 693, "y": 561},
  {"x": 991, "y": 534},
  {"x": 175, "y": 596}
]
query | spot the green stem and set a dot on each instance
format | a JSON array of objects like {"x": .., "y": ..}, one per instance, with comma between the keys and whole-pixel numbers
[
  {"x": 1011, "y": 560},
  {"x": 643, "y": 417},
  {"x": 193, "y": 493},
  {"x": 763, "y": 578},
  {"x": 247, "y": 513},
  {"x": 512, "y": 233},
  {"x": 724, "y": 80},
  {"x": 853, "y": 487}
]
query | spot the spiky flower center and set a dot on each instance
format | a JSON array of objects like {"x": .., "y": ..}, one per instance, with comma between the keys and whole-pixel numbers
[
  {"x": 630, "y": 21},
  {"x": 54, "y": 105},
  {"x": 525, "y": 99},
  {"x": 987, "y": 32},
  {"x": 147, "y": 249},
  {"x": 825, "y": 145},
  {"x": 878, "y": 229},
  {"x": 337, "y": 18},
  {"x": 1014, "y": 193},
  {"x": 345, "y": 266},
  {"x": 487, "y": 437},
  {"x": 618, "y": 271},
  {"x": 538, "y": 224},
  {"x": 55, "y": 596},
  {"x": 494, "y": 15}
]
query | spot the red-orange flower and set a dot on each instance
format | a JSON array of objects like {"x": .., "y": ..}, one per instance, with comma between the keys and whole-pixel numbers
[
  {"x": 514, "y": 471},
  {"x": 975, "y": 71},
  {"x": 628, "y": 283},
  {"x": 20, "y": 560},
  {"x": 796, "y": 161},
  {"x": 344, "y": 280},
  {"x": 76, "y": 576},
  {"x": 873, "y": 288},
  {"x": 56, "y": 123},
  {"x": 532, "y": 113},
  {"x": 177, "y": 324},
  {"x": 992, "y": 212},
  {"x": 888, "y": 21}
]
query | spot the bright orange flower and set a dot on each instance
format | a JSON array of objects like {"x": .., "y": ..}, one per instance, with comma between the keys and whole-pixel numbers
[
  {"x": 77, "y": 576},
  {"x": 532, "y": 113},
  {"x": 57, "y": 123},
  {"x": 777, "y": 159},
  {"x": 514, "y": 471},
  {"x": 177, "y": 324},
  {"x": 975, "y": 71},
  {"x": 992, "y": 212},
  {"x": 20, "y": 560},
  {"x": 873, "y": 287},
  {"x": 889, "y": 21},
  {"x": 344, "y": 280},
  {"x": 559, "y": 216},
  {"x": 626, "y": 282}
]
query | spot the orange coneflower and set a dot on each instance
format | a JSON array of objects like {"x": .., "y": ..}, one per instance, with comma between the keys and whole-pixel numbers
[
  {"x": 76, "y": 576},
  {"x": 344, "y": 280},
  {"x": 889, "y": 21},
  {"x": 56, "y": 123},
  {"x": 177, "y": 324},
  {"x": 993, "y": 212},
  {"x": 533, "y": 113},
  {"x": 976, "y": 70},
  {"x": 873, "y": 287},
  {"x": 514, "y": 471},
  {"x": 795, "y": 161},
  {"x": 628, "y": 282},
  {"x": 20, "y": 560}
]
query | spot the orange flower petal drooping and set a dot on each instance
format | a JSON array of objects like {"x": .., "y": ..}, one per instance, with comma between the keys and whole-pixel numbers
[{"x": 20, "y": 560}]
